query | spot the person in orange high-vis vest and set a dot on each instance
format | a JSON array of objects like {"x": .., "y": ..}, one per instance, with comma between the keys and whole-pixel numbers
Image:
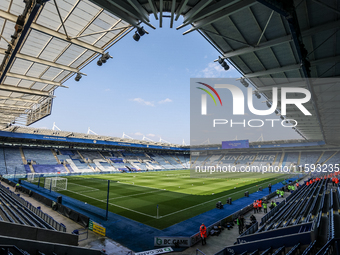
[
  {"x": 255, "y": 206},
  {"x": 259, "y": 205},
  {"x": 203, "y": 232},
  {"x": 336, "y": 181}
]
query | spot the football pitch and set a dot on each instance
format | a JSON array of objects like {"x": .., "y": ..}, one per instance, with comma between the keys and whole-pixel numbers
[{"x": 179, "y": 197}]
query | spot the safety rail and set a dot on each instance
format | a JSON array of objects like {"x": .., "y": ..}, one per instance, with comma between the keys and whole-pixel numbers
[
  {"x": 266, "y": 252},
  {"x": 11, "y": 249},
  {"x": 294, "y": 249},
  {"x": 47, "y": 218},
  {"x": 281, "y": 249},
  {"x": 255, "y": 252},
  {"x": 330, "y": 200},
  {"x": 198, "y": 251},
  {"x": 286, "y": 213},
  {"x": 251, "y": 230},
  {"x": 331, "y": 232},
  {"x": 43, "y": 216},
  {"x": 272, "y": 212},
  {"x": 310, "y": 248}
]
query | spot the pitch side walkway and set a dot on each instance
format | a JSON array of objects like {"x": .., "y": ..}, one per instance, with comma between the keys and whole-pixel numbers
[{"x": 140, "y": 237}]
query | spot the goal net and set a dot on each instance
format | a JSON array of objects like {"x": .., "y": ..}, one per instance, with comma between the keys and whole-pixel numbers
[
  {"x": 56, "y": 183},
  {"x": 33, "y": 177}
]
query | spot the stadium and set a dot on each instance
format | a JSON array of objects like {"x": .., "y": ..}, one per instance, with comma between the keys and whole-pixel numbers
[{"x": 65, "y": 191}]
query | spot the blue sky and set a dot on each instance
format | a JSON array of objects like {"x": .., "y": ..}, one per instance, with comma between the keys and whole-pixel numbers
[{"x": 143, "y": 90}]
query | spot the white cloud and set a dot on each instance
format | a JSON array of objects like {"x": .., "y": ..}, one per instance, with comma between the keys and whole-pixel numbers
[
  {"x": 214, "y": 70},
  {"x": 167, "y": 100},
  {"x": 151, "y": 135},
  {"x": 142, "y": 101},
  {"x": 138, "y": 134},
  {"x": 107, "y": 89}
]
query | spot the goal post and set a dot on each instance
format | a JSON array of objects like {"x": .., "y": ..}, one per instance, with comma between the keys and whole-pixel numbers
[
  {"x": 33, "y": 177},
  {"x": 56, "y": 183}
]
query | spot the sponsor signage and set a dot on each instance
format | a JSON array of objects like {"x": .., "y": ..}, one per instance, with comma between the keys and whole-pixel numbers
[
  {"x": 85, "y": 141},
  {"x": 97, "y": 228},
  {"x": 180, "y": 241},
  {"x": 235, "y": 144},
  {"x": 156, "y": 251}
]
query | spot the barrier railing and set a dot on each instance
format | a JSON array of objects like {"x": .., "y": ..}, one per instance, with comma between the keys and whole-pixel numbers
[
  {"x": 251, "y": 230},
  {"x": 48, "y": 219},
  {"x": 272, "y": 212}
]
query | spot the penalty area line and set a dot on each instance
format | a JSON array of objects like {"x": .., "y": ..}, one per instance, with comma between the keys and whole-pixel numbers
[{"x": 128, "y": 209}]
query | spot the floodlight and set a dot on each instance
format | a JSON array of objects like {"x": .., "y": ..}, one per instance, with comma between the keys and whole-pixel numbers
[
  {"x": 268, "y": 104},
  {"x": 141, "y": 31},
  {"x": 78, "y": 77},
  {"x": 276, "y": 111},
  {"x": 282, "y": 118},
  {"x": 136, "y": 36},
  {"x": 257, "y": 94},
  {"x": 103, "y": 58},
  {"x": 244, "y": 82},
  {"x": 223, "y": 63}
]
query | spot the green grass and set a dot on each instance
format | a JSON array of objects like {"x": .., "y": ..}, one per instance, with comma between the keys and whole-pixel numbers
[{"x": 136, "y": 195}]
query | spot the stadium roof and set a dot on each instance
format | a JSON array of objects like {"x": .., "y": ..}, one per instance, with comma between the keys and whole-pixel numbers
[
  {"x": 42, "y": 46},
  {"x": 282, "y": 41}
]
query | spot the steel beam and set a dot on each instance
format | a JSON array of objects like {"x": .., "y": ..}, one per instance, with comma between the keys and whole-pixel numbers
[
  {"x": 139, "y": 8},
  {"x": 173, "y": 5},
  {"x": 221, "y": 14},
  {"x": 282, "y": 40},
  {"x": 209, "y": 10},
  {"x": 274, "y": 70},
  {"x": 25, "y": 90},
  {"x": 153, "y": 8},
  {"x": 188, "y": 17},
  {"x": 15, "y": 106},
  {"x": 45, "y": 62},
  {"x": 29, "y": 78},
  {"x": 18, "y": 99},
  {"x": 51, "y": 32},
  {"x": 181, "y": 8}
]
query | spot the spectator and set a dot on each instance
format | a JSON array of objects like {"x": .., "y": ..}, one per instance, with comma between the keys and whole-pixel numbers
[
  {"x": 282, "y": 193},
  {"x": 203, "y": 232},
  {"x": 270, "y": 188},
  {"x": 255, "y": 207},
  {"x": 278, "y": 193},
  {"x": 252, "y": 219},
  {"x": 239, "y": 224},
  {"x": 17, "y": 186},
  {"x": 265, "y": 206},
  {"x": 259, "y": 205},
  {"x": 272, "y": 205}
]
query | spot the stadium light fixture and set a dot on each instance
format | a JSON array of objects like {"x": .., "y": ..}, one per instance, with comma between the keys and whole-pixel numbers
[
  {"x": 244, "y": 82},
  {"x": 282, "y": 118},
  {"x": 140, "y": 32},
  {"x": 276, "y": 112},
  {"x": 257, "y": 94},
  {"x": 103, "y": 59},
  {"x": 268, "y": 104},
  {"x": 78, "y": 77},
  {"x": 223, "y": 63},
  {"x": 136, "y": 36}
]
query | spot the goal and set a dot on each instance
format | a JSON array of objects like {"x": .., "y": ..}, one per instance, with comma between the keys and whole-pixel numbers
[
  {"x": 33, "y": 177},
  {"x": 56, "y": 183}
]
